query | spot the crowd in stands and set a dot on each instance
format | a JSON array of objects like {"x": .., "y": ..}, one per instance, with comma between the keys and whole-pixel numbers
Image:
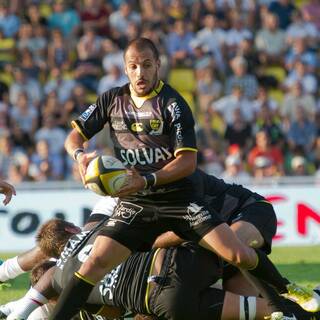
[{"x": 248, "y": 68}]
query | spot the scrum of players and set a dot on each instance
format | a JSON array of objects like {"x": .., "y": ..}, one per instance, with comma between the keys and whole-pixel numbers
[{"x": 174, "y": 279}]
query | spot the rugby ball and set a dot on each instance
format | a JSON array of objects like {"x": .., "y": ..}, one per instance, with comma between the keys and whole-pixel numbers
[{"x": 105, "y": 175}]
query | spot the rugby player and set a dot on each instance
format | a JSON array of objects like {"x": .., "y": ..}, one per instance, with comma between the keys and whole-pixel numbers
[
  {"x": 248, "y": 213},
  {"x": 171, "y": 283},
  {"x": 152, "y": 130}
]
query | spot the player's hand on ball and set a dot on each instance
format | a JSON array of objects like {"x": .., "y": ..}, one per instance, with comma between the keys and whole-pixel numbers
[
  {"x": 8, "y": 190},
  {"x": 134, "y": 183},
  {"x": 83, "y": 160}
]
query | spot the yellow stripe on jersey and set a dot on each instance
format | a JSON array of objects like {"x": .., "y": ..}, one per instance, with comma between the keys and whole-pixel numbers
[
  {"x": 146, "y": 298},
  {"x": 76, "y": 126},
  {"x": 184, "y": 149},
  {"x": 138, "y": 101},
  {"x": 78, "y": 275}
]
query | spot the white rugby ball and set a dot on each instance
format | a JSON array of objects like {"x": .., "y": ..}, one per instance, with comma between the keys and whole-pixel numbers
[{"x": 105, "y": 175}]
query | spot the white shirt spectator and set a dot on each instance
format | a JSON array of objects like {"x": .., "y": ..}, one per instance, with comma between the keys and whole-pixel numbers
[
  {"x": 110, "y": 81},
  {"x": 308, "y": 81},
  {"x": 226, "y": 106}
]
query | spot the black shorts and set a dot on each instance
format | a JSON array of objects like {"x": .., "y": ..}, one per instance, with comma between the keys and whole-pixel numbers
[
  {"x": 136, "y": 226},
  {"x": 261, "y": 214},
  {"x": 187, "y": 272}
]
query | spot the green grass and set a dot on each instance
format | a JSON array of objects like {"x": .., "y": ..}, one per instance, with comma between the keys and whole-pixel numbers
[{"x": 299, "y": 264}]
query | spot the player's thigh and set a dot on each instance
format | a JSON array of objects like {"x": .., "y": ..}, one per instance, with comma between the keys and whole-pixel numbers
[
  {"x": 248, "y": 234},
  {"x": 106, "y": 254}
]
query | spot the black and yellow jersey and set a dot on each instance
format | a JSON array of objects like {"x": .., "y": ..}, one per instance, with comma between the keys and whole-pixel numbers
[{"x": 147, "y": 132}]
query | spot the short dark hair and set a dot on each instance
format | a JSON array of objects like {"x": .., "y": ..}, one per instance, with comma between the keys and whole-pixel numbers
[
  {"x": 142, "y": 44},
  {"x": 53, "y": 236}
]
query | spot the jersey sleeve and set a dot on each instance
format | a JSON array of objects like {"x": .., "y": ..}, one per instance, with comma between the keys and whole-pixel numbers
[
  {"x": 181, "y": 126},
  {"x": 93, "y": 119}
]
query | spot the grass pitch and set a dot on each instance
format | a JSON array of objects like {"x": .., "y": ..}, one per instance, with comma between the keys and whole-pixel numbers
[{"x": 299, "y": 264}]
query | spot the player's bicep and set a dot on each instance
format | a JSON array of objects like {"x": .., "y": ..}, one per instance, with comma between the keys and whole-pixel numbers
[
  {"x": 93, "y": 119},
  {"x": 182, "y": 127}
]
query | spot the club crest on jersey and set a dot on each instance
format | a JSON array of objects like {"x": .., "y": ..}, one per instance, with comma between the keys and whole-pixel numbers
[
  {"x": 137, "y": 127},
  {"x": 157, "y": 126},
  {"x": 86, "y": 114}
]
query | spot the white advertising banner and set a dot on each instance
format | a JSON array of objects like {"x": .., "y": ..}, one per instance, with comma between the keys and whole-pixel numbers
[{"x": 297, "y": 209}]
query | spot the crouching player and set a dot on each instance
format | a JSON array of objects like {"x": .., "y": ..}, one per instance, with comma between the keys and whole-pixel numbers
[{"x": 173, "y": 283}]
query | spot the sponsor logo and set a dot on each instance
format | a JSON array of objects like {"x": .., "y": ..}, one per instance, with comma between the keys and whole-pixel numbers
[
  {"x": 130, "y": 112},
  {"x": 179, "y": 135},
  {"x": 87, "y": 113},
  {"x": 125, "y": 212},
  {"x": 69, "y": 248},
  {"x": 109, "y": 282},
  {"x": 175, "y": 111},
  {"x": 157, "y": 126},
  {"x": 144, "y": 156},
  {"x": 119, "y": 125},
  {"x": 196, "y": 214},
  {"x": 137, "y": 127},
  {"x": 83, "y": 255}
]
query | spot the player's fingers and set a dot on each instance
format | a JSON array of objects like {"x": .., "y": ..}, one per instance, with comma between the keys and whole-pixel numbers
[{"x": 7, "y": 198}]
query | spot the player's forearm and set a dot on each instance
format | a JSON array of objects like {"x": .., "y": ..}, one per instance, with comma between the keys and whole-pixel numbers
[
  {"x": 182, "y": 166},
  {"x": 73, "y": 141}
]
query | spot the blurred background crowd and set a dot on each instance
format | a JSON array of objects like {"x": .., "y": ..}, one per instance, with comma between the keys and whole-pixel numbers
[{"x": 249, "y": 70}]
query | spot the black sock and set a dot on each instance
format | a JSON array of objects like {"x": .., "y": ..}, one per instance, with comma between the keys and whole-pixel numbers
[
  {"x": 72, "y": 298},
  {"x": 266, "y": 270}
]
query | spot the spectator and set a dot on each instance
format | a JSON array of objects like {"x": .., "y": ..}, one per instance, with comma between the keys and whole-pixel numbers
[
  {"x": 236, "y": 100},
  {"x": 208, "y": 87},
  {"x": 269, "y": 122},
  {"x": 234, "y": 172},
  {"x": 28, "y": 66},
  {"x": 22, "y": 84},
  {"x": 236, "y": 33},
  {"x": 241, "y": 78},
  {"x": 177, "y": 10},
  {"x": 297, "y": 97},
  {"x": 300, "y": 52},
  {"x": 34, "y": 17},
  {"x": 301, "y": 29},
  {"x": 179, "y": 44},
  {"x": 120, "y": 19},
  {"x": 95, "y": 15},
  {"x": 311, "y": 12},
  {"x": 113, "y": 79},
  {"x": 59, "y": 83},
  {"x": 24, "y": 115},
  {"x": 24, "y": 37},
  {"x": 270, "y": 41},
  {"x": 239, "y": 131},
  {"x": 9, "y": 23},
  {"x": 302, "y": 131},
  {"x": 64, "y": 19},
  {"x": 212, "y": 37},
  {"x": 43, "y": 166},
  {"x": 263, "y": 100},
  {"x": 10, "y": 156},
  {"x": 300, "y": 74},
  {"x": 284, "y": 10},
  {"x": 89, "y": 45},
  {"x": 263, "y": 154},
  {"x": 112, "y": 55},
  {"x": 299, "y": 166},
  {"x": 263, "y": 167},
  {"x": 58, "y": 51},
  {"x": 53, "y": 135}
]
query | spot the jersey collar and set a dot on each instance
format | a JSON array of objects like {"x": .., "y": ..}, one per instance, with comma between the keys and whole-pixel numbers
[{"x": 152, "y": 94}]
